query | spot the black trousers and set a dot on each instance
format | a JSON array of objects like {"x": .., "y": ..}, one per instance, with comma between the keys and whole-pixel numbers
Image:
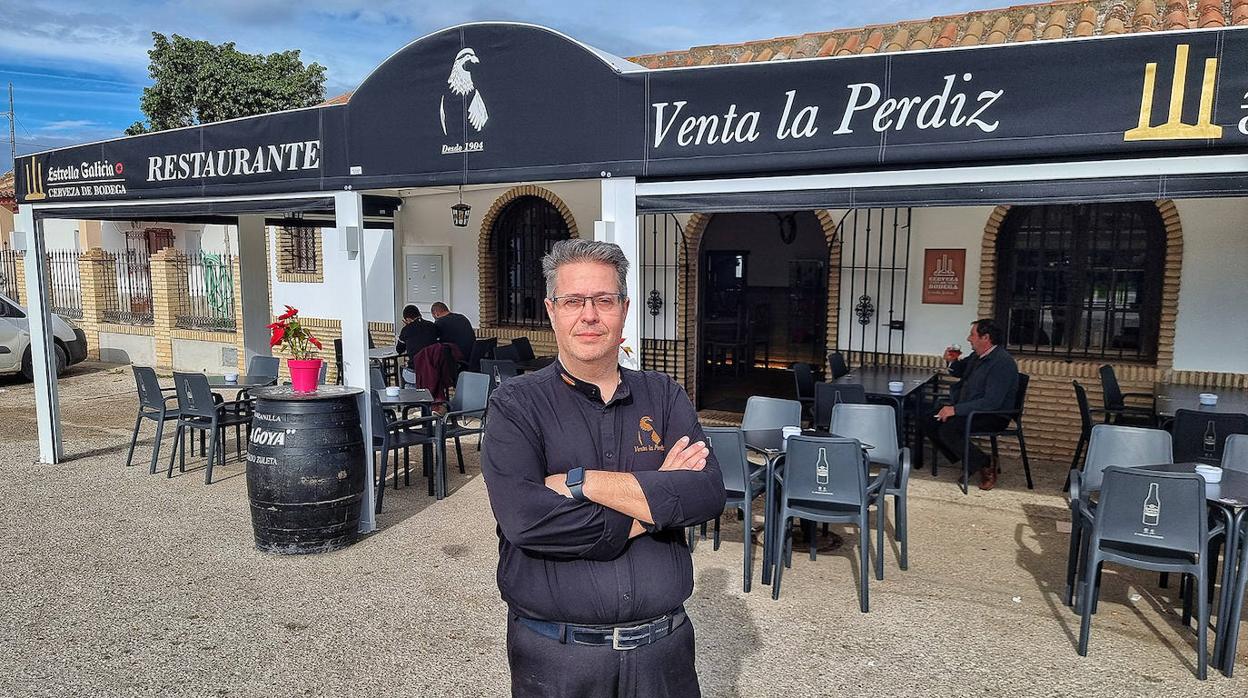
[
  {"x": 546, "y": 668},
  {"x": 949, "y": 437}
]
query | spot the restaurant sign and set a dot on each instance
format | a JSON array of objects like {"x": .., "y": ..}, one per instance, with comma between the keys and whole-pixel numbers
[
  {"x": 944, "y": 276},
  {"x": 504, "y": 102}
]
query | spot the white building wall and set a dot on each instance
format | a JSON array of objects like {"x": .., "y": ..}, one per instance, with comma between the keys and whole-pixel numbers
[
  {"x": 426, "y": 221},
  {"x": 323, "y": 300},
  {"x": 930, "y": 327},
  {"x": 1211, "y": 333}
]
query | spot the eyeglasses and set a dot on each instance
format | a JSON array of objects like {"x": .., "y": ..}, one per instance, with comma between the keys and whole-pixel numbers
[{"x": 603, "y": 303}]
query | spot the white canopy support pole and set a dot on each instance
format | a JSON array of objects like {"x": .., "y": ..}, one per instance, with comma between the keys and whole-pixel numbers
[
  {"x": 353, "y": 296},
  {"x": 619, "y": 225},
  {"x": 400, "y": 269},
  {"x": 29, "y": 234},
  {"x": 253, "y": 270}
]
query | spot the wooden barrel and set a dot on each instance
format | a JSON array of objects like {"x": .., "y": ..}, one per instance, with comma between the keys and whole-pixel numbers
[{"x": 305, "y": 469}]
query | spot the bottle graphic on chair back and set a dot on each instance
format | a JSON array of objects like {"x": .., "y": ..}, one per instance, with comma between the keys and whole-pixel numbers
[
  {"x": 821, "y": 469},
  {"x": 1209, "y": 447},
  {"x": 1152, "y": 506}
]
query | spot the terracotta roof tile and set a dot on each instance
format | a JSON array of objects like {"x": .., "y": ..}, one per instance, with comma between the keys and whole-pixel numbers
[
  {"x": 922, "y": 39},
  {"x": 1027, "y": 30},
  {"x": 339, "y": 99},
  {"x": 1177, "y": 15},
  {"x": 745, "y": 57},
  {"x": 1055, "y": 27},
  {"x": 873, "y": 42},
  {"x": 1000, "y": 31},
  {"x": 1113, "y": 25},
  {"x": 1145, "y": 15},
  {"x": 1086, "y": 26},
  {"x": 1239, "y": 15},
  {"x": 764, "y": 55},
  {"x": 898, "y": 42},
  {"x": 850, "y": 45},
  {"x": 1209, "y": 14},
  {"x": 828, "y": 47},
  {"x": 947, "y": 36},
  {"x": 974, "y": 34},
  {"x": 7, "y": 185}
]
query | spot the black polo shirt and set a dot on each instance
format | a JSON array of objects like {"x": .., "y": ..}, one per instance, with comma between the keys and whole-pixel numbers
[
  {"x": 568, "y": 561},
  {"x": 457, "y": 330}
]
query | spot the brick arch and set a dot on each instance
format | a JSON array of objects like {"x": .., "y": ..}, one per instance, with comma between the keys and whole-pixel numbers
[
  {"x": 488, "y": 279},
  {"x": 1170, "y": 285},
  {"x": 688, "y": 282}
]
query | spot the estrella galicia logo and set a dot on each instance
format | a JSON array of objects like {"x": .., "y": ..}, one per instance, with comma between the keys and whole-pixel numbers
[
  {"x": 646, "y": 433},
  {"x": 463, "y": 98},
  {"x": 33, "y": 173}
]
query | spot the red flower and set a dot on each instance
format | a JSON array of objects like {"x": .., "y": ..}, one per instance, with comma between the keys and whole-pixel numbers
[
  {"x": 278, "y": 333},
  {"x": 315, "y": 342},
  {"x": 276, "y": 325},
  {"x": 290, "y": 312}
]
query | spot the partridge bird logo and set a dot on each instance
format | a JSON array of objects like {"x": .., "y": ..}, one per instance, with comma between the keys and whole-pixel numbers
[
  {"x": 647, "y": 425},
  {"x": 460, "y": 82}
]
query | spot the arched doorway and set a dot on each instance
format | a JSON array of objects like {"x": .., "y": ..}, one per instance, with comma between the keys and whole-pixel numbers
[
  {"x": 524, "y": 231},
  {"x": 763, "y": 304}
]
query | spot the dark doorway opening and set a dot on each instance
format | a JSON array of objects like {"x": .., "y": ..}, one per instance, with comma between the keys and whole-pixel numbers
[{"x": 763, "y": 305}]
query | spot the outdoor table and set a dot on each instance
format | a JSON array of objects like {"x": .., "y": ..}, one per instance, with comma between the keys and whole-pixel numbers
[
  {"x": 1187, "y": 397},
  {"x": 875, "y": 379},
  {"x": 388, "y": 359},
  {"x": 535, "y": 364},
  {"x": 244, "y": 382},
  {"x": 770, "y": 444},
  {"x": 1230, "y": 497},
  {"x": 408, "y": 398}
]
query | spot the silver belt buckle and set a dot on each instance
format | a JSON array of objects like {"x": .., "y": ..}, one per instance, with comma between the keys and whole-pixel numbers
[{"x": 615, "y": 638}]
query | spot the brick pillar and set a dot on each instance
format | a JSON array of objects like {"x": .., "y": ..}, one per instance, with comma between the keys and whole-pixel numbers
[
  {"x": 97, "y": 270},
  {"x": 19, "y": 270},
  {"x": 169, "y": 285},
  {"x": 237, "y": 289}
]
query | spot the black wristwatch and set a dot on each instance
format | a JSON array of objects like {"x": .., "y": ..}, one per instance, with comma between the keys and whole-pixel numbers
[{"x": 575, "y": 482}]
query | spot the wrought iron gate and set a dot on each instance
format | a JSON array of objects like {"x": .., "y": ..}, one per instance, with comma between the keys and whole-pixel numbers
[
  {"x": 666, "y": 283},
  {"x": 874, "y": 266}
]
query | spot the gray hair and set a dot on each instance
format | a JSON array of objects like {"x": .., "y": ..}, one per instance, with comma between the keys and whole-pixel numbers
[{"x": 578, "y": 250}]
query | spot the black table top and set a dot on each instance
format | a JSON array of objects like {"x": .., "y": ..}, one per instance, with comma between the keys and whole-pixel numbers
[
  {"x": 534, "y": 364},
  {"x": 383, "y": 353},
  {"x": 1232, "y": 491},
  {"x": 244, "y": 381},
  {"x": 406, "y": 396},
  {"x": 1187, "y": 397},
  {"x": 771, "y": 441},
  {"x": 874, "y": 379}
]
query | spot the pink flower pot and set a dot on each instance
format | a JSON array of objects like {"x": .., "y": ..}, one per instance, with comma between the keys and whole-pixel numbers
[{"x": 304, "y": 374}]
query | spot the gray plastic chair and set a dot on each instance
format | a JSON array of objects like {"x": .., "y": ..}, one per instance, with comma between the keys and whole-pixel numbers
[
  {"x": 153, "y": 405},
  {"x": 472, "y": 394},
  {"x": 1109, "y": 445},
  {"x": 877, "y": 425},
  {"x": 844, "y": 494},
  {"x": 1117, "y": 411},
  {"x": 1085, "y": 427},
  {"x": 836, "y": 365},
  {"x": 1199, "y": 436},
  {"x": 743, "y": 481},
  {"x": 1014, "y": 415},
  {"x": 199, "y": 409},
  {"x": 376, "y": 379},
  {"x": 1235, "y": 453},
  {"x": 1174, "y": 537},
  {"x": 771, "y": 413},
  {"x": 829, "y": 394},
  {"x": 392, "y": 435},
  {"x": 524, "y": 348}
]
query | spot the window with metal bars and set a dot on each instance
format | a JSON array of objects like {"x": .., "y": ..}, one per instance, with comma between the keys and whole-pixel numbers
[
  {"x": 523, "y": 233},
  {"x": 1082, "y": 281},
  {"x": 298, "y": 245}
]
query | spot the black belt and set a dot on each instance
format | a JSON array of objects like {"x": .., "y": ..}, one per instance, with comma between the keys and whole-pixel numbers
[{"x": 621, "y": 637}]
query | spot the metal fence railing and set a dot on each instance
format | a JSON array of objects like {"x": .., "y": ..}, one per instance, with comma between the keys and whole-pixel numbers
[
  {"x": 208, "y": 300},
  {"x": 127, "y": 296},
  {"x": 64, "y": 283},
  {"x": 10, "y": 285}
]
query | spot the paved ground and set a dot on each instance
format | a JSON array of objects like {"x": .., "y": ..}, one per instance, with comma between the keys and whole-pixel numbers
[{"x": 114, "y": 582}]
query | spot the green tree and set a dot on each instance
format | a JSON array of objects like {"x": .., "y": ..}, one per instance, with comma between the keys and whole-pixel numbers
[{"x": 198, "y": 82}]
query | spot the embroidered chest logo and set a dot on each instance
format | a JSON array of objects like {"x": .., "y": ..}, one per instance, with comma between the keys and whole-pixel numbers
[{"x": 648, "y": 440}]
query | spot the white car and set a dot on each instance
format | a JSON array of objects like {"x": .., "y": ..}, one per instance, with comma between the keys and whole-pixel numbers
[{"x": 71, "y": 342}]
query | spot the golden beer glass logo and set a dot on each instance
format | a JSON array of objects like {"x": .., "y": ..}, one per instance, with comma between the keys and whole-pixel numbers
[
  {"x": 1174, "y": 128},
  {"x": 34, "y": 180}
]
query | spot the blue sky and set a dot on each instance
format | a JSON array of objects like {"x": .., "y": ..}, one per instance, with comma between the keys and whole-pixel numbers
[{"x": 78, "y": 67}]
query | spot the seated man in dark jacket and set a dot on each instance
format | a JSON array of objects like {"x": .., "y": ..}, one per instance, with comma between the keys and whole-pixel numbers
[
  {"x": 416, "y": 334},
  {"x": 988, "y": 380},
  {"x": 453, "y": 328}
]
